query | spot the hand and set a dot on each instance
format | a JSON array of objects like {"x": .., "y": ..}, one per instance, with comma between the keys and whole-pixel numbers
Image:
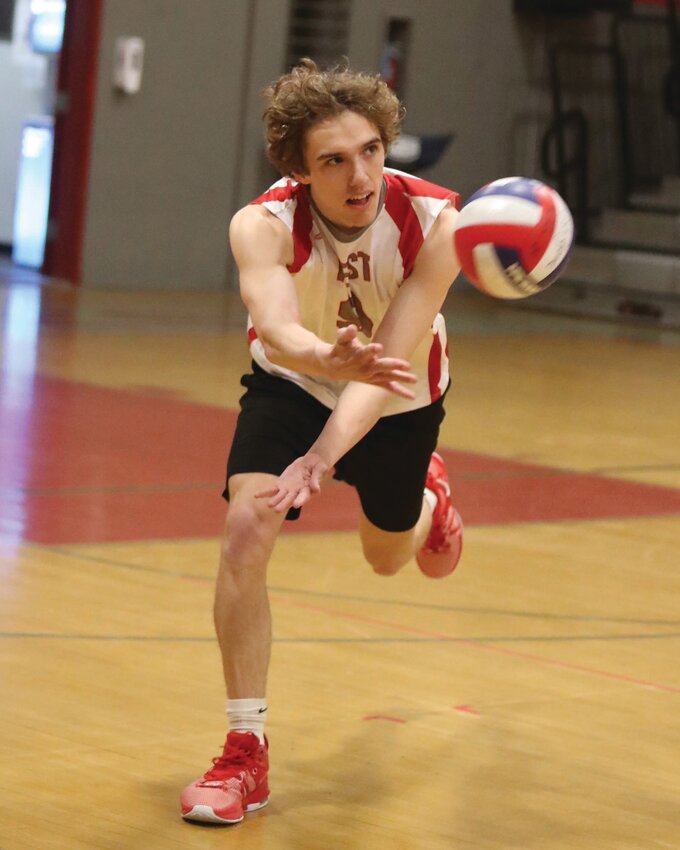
[
  {"x": 297, "y": 483},
  {"x": 351, "y": 360}
]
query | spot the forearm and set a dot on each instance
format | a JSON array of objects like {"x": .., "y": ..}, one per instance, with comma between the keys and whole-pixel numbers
[
  {"x": 294, "y": 347},
  {"x": 358, "y": 409}
]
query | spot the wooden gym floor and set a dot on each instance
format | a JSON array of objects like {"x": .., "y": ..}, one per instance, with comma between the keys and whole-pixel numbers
[{"x": 529, "y": 702}]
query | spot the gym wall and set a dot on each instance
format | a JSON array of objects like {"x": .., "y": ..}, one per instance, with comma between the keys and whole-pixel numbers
[
  {"x": 167, "y": 163},
  {"x": 173, "y": 162}
]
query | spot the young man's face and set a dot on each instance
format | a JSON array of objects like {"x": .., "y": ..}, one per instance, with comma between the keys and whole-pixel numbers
[{"x": 345, "y": 158}]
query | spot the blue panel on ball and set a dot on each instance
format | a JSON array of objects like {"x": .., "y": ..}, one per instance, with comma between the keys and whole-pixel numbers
[
  {"x": 507, "y": 256},
  {"x": 520, "y": 187}
]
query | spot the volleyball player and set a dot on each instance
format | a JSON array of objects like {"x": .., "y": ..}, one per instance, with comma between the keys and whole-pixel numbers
[{"x": 344, "y": 265}]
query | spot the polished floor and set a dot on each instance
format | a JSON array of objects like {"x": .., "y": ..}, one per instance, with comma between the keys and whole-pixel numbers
[{"x": 529, "y": 701}]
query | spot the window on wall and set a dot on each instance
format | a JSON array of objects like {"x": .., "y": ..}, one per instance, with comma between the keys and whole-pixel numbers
[{"x": 6, "y": 18}]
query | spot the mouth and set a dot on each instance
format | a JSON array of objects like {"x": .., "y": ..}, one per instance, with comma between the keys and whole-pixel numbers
[{"x": 360, "y": 202}]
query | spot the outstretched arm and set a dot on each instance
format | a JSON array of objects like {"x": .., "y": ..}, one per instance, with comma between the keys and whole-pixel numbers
[
  {"x": 407, "y": 321},
  {"x": 262, "y": 247}
]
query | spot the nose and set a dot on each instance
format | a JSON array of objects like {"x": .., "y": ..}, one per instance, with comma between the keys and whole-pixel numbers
[{"x": 358, "y": 173}]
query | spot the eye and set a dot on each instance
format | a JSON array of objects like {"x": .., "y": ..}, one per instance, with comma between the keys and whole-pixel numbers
[
  {"x": 374, "y": 148},
  {"x": 334, "y": 160}
]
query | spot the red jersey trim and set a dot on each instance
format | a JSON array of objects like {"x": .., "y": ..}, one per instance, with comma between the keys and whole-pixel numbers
[
  {"x": 418, "y": 188},
  {"x": 302, "y": 219},
  {"x": 434, "y": 368},
  {"x": 278, "y": 193},
  {"x": 400, "y": 188},
  {"x": 302, "y": 233},
  {"x": 402, "y": 213}
]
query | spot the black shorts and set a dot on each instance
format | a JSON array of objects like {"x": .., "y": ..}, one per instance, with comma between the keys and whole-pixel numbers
[{"x": 279, "y": 421}]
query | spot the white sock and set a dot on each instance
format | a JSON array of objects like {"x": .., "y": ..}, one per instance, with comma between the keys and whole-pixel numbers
[
  {"x": 430, "y": 498},
  {"x": 247, "y": 715}
]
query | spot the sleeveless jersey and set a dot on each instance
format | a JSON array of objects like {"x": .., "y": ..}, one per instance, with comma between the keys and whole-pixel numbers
[{"x": 340, "y": 283}]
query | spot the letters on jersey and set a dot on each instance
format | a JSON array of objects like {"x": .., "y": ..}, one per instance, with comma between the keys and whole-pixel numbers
[{"x": 340, "y": 283}]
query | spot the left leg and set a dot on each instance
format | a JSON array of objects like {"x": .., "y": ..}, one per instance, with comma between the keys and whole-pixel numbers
[
  {"x": 405, "y": 496},
  {"x": 388, "y": 551}
]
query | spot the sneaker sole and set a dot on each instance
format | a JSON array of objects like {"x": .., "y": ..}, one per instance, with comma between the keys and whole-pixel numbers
[
  {"x": 442, "y": 564},
  {"x": 206, "y": 814}
]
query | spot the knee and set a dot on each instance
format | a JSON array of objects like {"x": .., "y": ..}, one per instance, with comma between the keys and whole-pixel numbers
[
  {"x": 249, "y": 537},
  {"x": 385, "y": 562},
  {"x": 385, "y": 551},
  {"x": 245, "y": 526}
]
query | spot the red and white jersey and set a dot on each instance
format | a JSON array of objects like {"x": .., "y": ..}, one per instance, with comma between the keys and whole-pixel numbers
[{"x": 340, "y": 283}]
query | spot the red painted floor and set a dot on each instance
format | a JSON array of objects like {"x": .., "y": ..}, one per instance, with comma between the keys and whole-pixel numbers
[{"x": 85, "y": 464}]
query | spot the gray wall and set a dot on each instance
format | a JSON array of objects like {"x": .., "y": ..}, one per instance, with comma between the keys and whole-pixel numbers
[
  {"x": 171, "y": 164},
  {"x": 168, "y": 163}
]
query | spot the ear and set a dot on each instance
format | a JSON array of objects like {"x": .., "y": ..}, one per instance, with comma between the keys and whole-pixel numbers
[{"x": 302, "y": 178}]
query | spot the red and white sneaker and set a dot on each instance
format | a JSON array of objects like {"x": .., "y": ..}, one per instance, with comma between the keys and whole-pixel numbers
[
  {"x": 236, "y": 783},
  {"x": 444, "y": 545}
]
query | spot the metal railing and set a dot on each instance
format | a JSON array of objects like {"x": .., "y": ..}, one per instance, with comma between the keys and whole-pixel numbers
[
  {"x": 583, "y": 150},
  {"x": 616, "y": 115},
  {"x": 568, "y": 138},
  {"x": 319, "y": 29},
  {"x": 652, "y": 133}
]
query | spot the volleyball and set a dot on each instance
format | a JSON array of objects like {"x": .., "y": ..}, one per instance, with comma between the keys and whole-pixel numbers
[{"x": 514, "y": 237}]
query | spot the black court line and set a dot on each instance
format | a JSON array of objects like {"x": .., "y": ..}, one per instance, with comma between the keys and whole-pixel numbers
[
  {"x": 536, "y": 470},
  {"x": 555, "y": 472},
  {"x": 454, "y": 609},
  {"x": 490, "y": 612},
  {"x": 659, "y": 467},
  {"x": 366, "y": 640},
  {"x": 120, "y": 488},
  {"x": 501, "y": 475}
]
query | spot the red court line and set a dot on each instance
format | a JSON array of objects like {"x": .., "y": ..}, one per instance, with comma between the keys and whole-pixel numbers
[
  {"x": 513, "y": 653},
  {"x": 144, "y": 459}
]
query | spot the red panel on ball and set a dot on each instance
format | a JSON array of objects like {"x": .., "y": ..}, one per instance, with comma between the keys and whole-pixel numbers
[{"x": 500, "y": 235}]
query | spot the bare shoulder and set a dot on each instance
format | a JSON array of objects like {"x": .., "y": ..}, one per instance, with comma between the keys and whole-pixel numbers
[
  {"x": 438, "y": 248},
  {"x": 445, "y": 223},
  {"x": 254, "y": 232}
]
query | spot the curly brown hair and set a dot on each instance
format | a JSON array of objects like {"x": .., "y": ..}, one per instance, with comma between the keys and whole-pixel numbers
[{"x": 306, "y": 96}]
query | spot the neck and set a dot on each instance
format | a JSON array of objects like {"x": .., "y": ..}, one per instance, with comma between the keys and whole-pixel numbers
[{"x": 347, "y": 233}]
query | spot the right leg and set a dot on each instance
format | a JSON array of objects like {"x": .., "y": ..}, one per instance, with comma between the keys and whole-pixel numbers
[
  {"x": 278, "y": 422},
  {"x": 242, "y": 616},
  {"x": 237, "y": 782}
]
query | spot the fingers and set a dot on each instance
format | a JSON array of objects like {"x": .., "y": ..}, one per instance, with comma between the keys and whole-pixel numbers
[
  {"x": 366, "y": 364},
  {"x": 274, "y": 494},
  {"x": 351, "y": 352},
  {"x": 302, "y": 497},
  {"x": 296, "y": 485},
  {"x": 314, "y": 484},
  {"x": 353, "y": 361},
  {"x": 393, "y": 380},
  {"x": 264, "y": 494},
  {"x": 392, "y": 364},
  {"x": 397, "y": 389},
  {"x": 347, "y": 334},
  {"x": 348, "y": 346},
  {"x": 384, "y": 375},
  {"x": 281, "y": 499}
]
